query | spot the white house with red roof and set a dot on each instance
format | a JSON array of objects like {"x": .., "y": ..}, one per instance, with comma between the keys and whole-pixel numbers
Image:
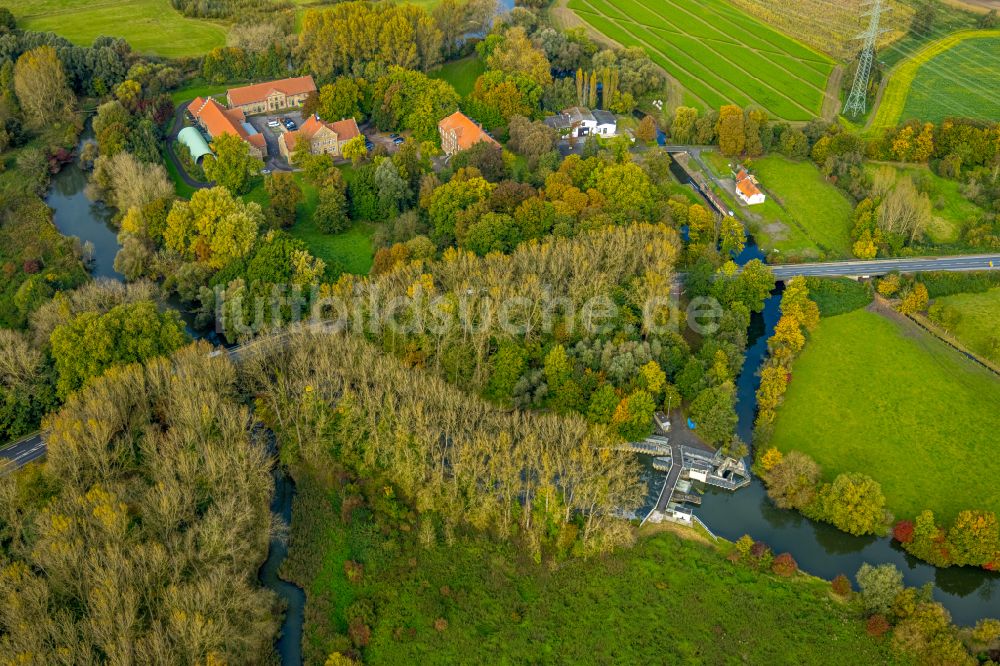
[{"x": 747, "y": 188}]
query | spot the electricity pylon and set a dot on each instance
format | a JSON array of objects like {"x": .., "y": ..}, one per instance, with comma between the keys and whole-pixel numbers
[{"x": 857, "y": 101}]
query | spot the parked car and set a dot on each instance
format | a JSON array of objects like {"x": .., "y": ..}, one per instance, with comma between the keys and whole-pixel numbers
[
  {"x": 369, "y": 146},
  {"x": 290, "y": 124},
  {"x": 394, "y": 136},
  {"x": 265, "y": 172},
  {"x": 398, "y": 140},
  {"x": 273, "y": 123}
]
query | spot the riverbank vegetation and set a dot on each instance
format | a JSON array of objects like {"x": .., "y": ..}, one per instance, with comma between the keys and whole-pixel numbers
[
  {"x": 463, "y": 597},
  {"x": 132, "y": 544},
  {"x": 866, "y": 374}
]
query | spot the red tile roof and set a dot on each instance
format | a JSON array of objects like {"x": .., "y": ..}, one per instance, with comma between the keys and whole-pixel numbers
[
  {"x": 746, "y": 184},
  {"x": 219, "y": 120},
  {"x": 258, "y": 92},
  {"x": 467, "y": 132},
  {"x": 346, "y": 129}
]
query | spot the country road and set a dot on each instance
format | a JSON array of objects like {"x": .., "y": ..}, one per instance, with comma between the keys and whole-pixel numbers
[
  {"x": 22, "y": 452},
  {"x": 854, "y": 268},
  {"x": 32, "y": 447}
]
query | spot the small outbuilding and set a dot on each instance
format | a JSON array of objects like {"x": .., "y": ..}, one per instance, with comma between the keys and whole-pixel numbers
[
  {"x": 747, "y": 188},
  {"x": 195, "y": 142}
]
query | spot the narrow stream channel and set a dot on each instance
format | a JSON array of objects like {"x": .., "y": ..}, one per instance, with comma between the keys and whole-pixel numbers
[
  {"x": 968, "y": 593},
  {"x": 821, "y": 549},
  {"x": 75, "y": 215}
]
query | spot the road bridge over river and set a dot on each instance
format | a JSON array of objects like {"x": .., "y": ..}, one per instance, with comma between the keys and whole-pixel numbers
[
  {"x": 32, "y": 447},
  {"x": 857, "y": 268}
]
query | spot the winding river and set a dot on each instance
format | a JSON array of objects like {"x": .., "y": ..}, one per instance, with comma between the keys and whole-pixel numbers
[
  {"x": 820, "y": 549},
  {"x": 75, "y": 215},
  {"x": 968, "y": 593}
]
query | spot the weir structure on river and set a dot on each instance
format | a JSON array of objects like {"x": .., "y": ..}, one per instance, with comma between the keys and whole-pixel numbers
[
  {"x": 684, "y": 465},
  {"x": 820, "y": 549}
]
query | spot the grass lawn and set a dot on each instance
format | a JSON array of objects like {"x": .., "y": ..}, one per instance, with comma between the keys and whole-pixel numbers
[
  {"x": 957, "y": 75},
  {"x": 980, "y": 321},
  {"x": 150, "y": 26},
  {"x": 805, "y": 200},
  {"x": 719, "y": 54},
  {"x": 803, "y": 217},
  {"x": 667, "y": 600},
  {"x": 351, "y": 249},
  {"x": 180, "y": 187},
  {"x": 870, "y": 395},
  {"x": 952, "y": 211},
  {"x": 199, "y": 87},
  {"x": 461, "y": 74}
]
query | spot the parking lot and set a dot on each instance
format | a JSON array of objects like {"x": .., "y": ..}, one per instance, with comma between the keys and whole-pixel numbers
[
  {"x": 388, "y": 141},
  {"x": 271, "y": 134}
]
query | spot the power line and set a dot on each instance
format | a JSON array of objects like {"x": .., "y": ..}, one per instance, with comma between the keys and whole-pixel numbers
[{"x": 857, "y": 102}]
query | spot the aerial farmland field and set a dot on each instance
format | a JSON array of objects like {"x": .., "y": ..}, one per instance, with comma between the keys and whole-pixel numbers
[
  {"x": 958, "y": 75},
  {"x": 717, "y": 53},
  {"x": 150, "y": 26}
]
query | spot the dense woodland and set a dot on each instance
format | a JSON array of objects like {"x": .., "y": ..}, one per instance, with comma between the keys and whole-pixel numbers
[
  {"x": 467, "y": 430},
  {"x": 139, "y": 539}
]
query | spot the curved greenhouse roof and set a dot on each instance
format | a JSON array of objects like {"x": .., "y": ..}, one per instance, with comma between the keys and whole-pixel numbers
[{"x": 192, "y": 138}]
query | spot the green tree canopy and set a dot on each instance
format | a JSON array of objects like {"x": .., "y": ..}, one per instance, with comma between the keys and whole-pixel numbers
[
  {"x": 130, "y": 333},
  {"x": 213, "y": 227},
  {"x": 232, "y": 166}
]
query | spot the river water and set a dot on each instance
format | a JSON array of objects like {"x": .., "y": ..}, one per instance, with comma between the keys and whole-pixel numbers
[
  {"x": 75, "y": 215},
  {"x": 820, "y": 549}
]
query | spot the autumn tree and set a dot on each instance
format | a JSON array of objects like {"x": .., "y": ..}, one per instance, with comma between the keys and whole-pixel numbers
[
  {"x": 646, "y": 130},
  {"x": 404, "y": 99},
  {"x": 792, "y": 483},
  {"x": 974, "y": 538},
  {"x": 682, "y": 127},
  {"x": 731, "y": 131},
  {"x": 514, "y": 53},
  {"x": 42, "y": 90},
  {"x": 531, "y": 138},
  {"x": 905, "y": 212},
  {"x": 232, "y": 166},
  {"x": 915, "y": 300},
  {"x": 853, "y": 503},
  {"x": 330, "y": 215},
  {"x": 879, "y": 587},
  {"x": 795, "y": 302},
  {"x": 214, "y": 227},
  {"x": 103, "y": 517},
  {"x": 125, "y": 182},
  {"x": 633, "y": 416},
  {"x": 355, "y": 149},
  {"x": 714, "y": 410},
  {"x": 340, "y": 99},
  {"x": 784, "y": 565},
  {"x": 499, "y": 96},
  {"x": 352, "y": 38}
]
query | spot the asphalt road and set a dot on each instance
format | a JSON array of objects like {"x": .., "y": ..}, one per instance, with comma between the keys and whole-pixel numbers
[
  {"x": 32, "y": 447},
  {"x": 978, "y": 262},
  {"x": 22, "y": 452}
]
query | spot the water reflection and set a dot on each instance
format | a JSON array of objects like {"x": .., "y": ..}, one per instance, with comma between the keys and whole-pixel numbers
[{"x": 90, "y": 221}]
